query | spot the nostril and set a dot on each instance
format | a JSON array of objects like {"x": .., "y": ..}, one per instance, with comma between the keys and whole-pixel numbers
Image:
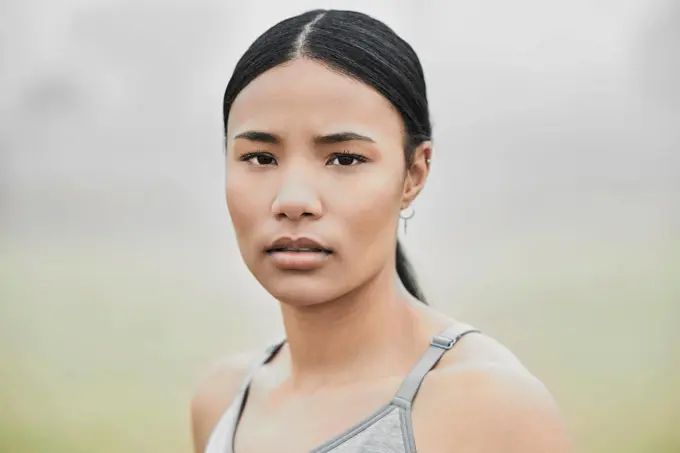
[{"x": 296, "y": 205}]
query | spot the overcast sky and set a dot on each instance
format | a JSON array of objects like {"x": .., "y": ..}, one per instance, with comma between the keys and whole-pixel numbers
[{"x": 567, "y": 111}]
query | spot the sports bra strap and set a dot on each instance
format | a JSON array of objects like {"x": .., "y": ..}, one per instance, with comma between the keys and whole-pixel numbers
[
  {"x": 272, "y": 351},
  {"x": 268, "y": 355},
  {"x": 438, "y": 346}
]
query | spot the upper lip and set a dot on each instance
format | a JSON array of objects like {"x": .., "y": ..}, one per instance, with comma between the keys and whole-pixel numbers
[{"x": 288, "y": 242}]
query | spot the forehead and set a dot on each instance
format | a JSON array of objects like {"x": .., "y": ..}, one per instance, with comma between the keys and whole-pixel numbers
[{"x": 304, "y": 93}]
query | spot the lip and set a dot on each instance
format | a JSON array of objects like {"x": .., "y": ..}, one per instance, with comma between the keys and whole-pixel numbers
[
  {"x": 294, "y": 244},
  {"x": 300, "y": 253}
]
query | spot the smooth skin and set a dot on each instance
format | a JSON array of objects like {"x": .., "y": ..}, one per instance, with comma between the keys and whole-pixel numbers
[{"x": 311, "y": 152}]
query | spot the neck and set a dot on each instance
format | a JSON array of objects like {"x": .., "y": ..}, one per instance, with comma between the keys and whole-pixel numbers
[{"x": 368, "y": 333}]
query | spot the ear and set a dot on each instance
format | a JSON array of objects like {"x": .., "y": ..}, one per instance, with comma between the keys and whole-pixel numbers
[{"x": 416, "y": 174}]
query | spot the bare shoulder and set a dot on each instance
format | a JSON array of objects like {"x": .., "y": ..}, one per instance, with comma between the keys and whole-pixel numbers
[
  {"x": 215, "y": 392},
  {"x": 481, "y": 399}
]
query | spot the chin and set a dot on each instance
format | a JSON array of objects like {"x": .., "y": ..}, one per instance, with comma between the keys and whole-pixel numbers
[
  {"x": 302, "y": 290},
  {"x": 298, "y": 288}
]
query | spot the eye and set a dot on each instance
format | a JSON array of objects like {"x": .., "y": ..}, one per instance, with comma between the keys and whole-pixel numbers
[
  {"x": 346, "y": 159},
  {"x": 258, "y": 159}
]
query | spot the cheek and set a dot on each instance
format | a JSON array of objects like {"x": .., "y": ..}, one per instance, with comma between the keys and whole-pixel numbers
[
  {"x": 245, "y": 207},
  {"x": 368, "y": 212}
]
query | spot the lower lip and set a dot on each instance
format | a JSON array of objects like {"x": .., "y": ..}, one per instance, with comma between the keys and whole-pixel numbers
[{"x": 299, "y": 261}]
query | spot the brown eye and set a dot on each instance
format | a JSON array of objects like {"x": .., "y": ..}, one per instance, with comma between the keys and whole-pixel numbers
[
  {"x": 346, "y": 159},
  {"x": 259, "y": 159}
]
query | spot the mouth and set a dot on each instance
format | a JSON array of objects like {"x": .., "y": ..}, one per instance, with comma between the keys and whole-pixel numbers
[
  {"x": 299, "y": 245},
  {"x": 302, "y": 254},
  {"x": 298, "y": 250}
]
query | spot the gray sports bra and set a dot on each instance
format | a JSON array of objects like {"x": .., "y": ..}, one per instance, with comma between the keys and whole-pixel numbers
[{"x": 388, "y": 430}]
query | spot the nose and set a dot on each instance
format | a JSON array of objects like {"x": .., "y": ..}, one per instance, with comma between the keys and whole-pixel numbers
[{"x": 296, "y": 199}]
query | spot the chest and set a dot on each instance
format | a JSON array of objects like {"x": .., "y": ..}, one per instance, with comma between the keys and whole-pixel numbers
[{"x": 306, "y": 424}]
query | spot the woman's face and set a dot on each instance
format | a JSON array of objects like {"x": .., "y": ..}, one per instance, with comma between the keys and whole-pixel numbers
[{"x": 315, "y": 181}]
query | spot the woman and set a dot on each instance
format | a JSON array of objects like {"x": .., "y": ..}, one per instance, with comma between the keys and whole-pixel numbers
[{"x": 328, "y": 141}]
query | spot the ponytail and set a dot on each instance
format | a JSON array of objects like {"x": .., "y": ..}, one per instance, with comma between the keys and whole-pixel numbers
[{"x": 407, "y": 275}]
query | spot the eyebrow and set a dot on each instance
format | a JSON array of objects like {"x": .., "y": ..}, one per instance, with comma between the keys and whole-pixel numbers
[
  {"x": 341, "y": 137},
  {"x": 329, "y": 139}
]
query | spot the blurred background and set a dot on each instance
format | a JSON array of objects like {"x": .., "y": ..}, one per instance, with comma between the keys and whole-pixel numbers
[{"x": 551, "y": 220}]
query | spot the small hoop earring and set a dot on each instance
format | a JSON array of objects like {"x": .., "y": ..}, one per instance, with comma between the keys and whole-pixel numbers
[{"x": 407, "y": 217}]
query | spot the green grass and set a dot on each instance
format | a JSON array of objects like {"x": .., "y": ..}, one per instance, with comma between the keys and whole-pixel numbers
[{"x": 101, "y": 347}]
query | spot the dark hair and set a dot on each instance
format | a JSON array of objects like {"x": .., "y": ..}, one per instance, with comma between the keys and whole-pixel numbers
[{"x": 360, "y": 47}]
